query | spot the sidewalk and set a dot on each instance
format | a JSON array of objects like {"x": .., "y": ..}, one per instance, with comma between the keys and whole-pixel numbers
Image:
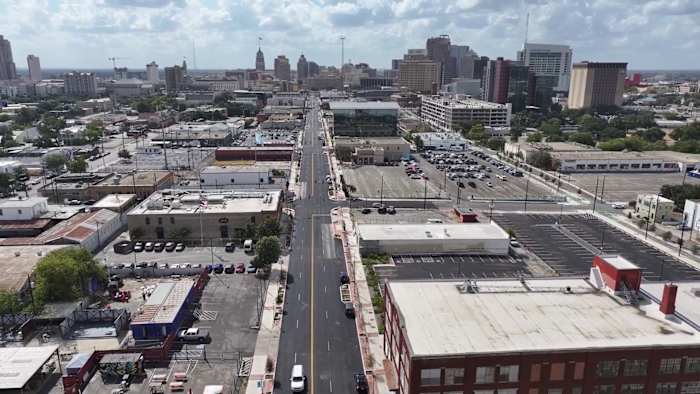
[
  {"x": 333, "y": 164},
  {"x": 267, "y": 344},
  {"x": 370, "y": 340}
]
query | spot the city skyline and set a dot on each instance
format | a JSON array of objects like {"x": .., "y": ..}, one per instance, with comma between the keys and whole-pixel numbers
[{"x": 84, "y": 35}]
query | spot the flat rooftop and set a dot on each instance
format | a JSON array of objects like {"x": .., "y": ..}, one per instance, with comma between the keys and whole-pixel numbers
[
  {"x": 431, "y": 231},
  {"x": 22, "y": 203},
  {"x": 187, "y": 202},
  {"x": 372, "y": 140},
  {"x": 264, "y": 166},
  {"x": 462, "y": 103},
  {"x": 16, "y": 262},
  {"x": 535, "y": 315},
  {"x": 164, "y": 303},
  {"x": 114, "y": 201},
  {"x": 146, "y": 178},
  {"x": 334, "y": 105},
  {"x": 19, "y": 364},
  {"x": 687, "y": 298}
]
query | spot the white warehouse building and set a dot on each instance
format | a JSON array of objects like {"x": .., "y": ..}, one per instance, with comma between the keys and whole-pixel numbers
[{"x": 434, "y": 238}]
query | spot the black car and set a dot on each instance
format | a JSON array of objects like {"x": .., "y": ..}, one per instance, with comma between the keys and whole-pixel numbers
[
  {"x": 230, "y": 268},
  {"x": 158, "y": 246},
  {"x": 218, "y": 268},
  {"x": 344, "y": 278},
  {"x": 460, "y": 184},
  {"x": 230, "y": 247},
  {"x": 361, "y": 385},
  {"x": 366, "y": 210},
  {"x": 471, "y": 184}
]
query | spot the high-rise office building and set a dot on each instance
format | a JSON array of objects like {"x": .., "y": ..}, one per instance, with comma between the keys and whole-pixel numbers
[
  {"x": 521, "y": 86},
  {"x": 174, "y": 77},
  {"x": 7, "y": 65},
  {"x": 420, "y": 76},
  {"x": 314, "y": 69},
  {"x": 121, "y": 73},
  {"x": 283, "y": 71},
  {"x": 34, "y": 67},
  {"x": 597, "y": 84},
  {"x": 438, "y": 49},
  {"x": 480, "y": 64},
  {"x": 302, "y": 68},
  {"x": 395, "y": 64},
  {"x": 495, "y": 81},
  {"x": 462, "y": 61},
  {"x": 80, "y": 84},
  {"x": 259, "y": 61},
  {"x": 416, "y": 54},
  {"x": 152, "y": 72},
  {"x": 550, "y": 63}
]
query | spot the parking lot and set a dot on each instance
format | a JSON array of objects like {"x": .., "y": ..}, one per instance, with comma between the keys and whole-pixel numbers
[
  {"x": 404, "y": 216},
  {"x": 508, "y": 188},
  {"x": 179, "y": 158},
  {"x": 453, "y": 267},
  {"x": 626, "y": 187},
  {"x": 228, "y": 311},
  {"x": 367, "y": 182},
  {"x": 570, "y": 246}
]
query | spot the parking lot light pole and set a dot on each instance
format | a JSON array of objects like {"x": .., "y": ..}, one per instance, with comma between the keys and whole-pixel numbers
[
  {"x": 491, "y": 205},
  {"x": 425, "y": 194},
  {"x": 595, "y": 194},
  {"x": 527, "y": 185},
  {"x": 381, "y": 192},
  {"x": 680, "y": 241}
]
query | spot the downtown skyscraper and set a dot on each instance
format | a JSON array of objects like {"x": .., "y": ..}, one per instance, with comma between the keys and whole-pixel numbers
[{"x": 7, "y": 65}]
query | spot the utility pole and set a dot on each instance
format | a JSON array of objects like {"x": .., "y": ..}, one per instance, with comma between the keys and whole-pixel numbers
[
  {"x": 381, "y": 192},
  {"x": 527, "y": 185},
  {"x": 342, "y": 59},
  {"x": 595, "y": 195},
  {"x": 680, "y": 241},
  {"x": 425, "y": 194}
]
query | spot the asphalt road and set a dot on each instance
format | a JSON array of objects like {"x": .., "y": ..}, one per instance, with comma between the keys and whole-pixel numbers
[{"x": 315, "y": 331}]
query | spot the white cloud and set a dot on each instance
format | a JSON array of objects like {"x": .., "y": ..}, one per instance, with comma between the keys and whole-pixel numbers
[{"x": 83, "y": 33}]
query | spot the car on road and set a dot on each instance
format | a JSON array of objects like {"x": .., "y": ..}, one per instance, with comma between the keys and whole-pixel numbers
[
  {"x": 297, "y": 382},
  {"x": 158, "y": 247},
  {"x": 618, "y": 205},
  {"x": 460, "y": 184},
  {"x": 361, "y": 385},
  {"x": 514, "y": 243},
  {"x": 415, "y": 176},
  {"x": 381, "y": 209},
  {"x": 230, "y": 247},
  {"x": 471, "y": 184},
  {"x": 193, "y": 335},
  {"x": 251, "y": 269},
  {"x": 163, "y": 266},
  {"x": 148, "y": 246},
  {"x": 74, "y": 202},
  {"x": 179, "y": 247},
  {"x": 230, "y": 268},
  {"x": 169, "y": 246},
  {"x": 366, "y": 211},
  {"x": 391, "y": 210},
  {"x": 218, "y": 268},
  {"x": 489, "y": 184},
  {"x": 240, "y": 268}
]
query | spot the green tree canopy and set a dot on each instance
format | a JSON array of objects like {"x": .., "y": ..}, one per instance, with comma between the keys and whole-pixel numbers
[
  {"x": 419, "y": 142},
  {"x": 496, "y": 143},
  {"x": 535, "y": 137},
  {"x": 268, "y": 251},
  {"x": 9, "y": 303},
  {"x": 55, "y": 162},
  {"x": 270, "y": 227},
  {"x": 652, "y": 134},
  {"x": 551, "y": 127},
  {"x": 63, "y": 275},
  {"x": 542, "y": 159},
  {"x": 78, "y": 165},
  {"x": 582, "y": 138}
]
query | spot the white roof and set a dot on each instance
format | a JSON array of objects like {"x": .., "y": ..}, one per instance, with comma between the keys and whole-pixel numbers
[
  {"x": 164, "y": 303},
  {"x": 114, "y": 201},
  {"x": 620, "y": 262},
  {"x": 19, "y": 364},
  {"x": 427, "y": 231},
  {"x": 507, "y": 316},
  {"x": 23, "y": 203},
  {"x": 363, "y": 105}
]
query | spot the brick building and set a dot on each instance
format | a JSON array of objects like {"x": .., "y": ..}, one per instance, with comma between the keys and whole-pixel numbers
[{"x": 604, "y": 334}]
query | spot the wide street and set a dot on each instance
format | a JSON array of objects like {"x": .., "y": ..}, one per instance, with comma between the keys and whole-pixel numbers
[{"x": 315, "y": 331}]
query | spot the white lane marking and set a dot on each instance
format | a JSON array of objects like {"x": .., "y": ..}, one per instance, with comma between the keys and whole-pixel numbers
[
  {"x": 297, "y": 323},
  {"x": 330, "y": 385},
  {"x": 326, "y": 315},
  {"x": 329, "y": 345},
  {"x": 300, "y": 275},
  {"x": 324, "y": 289},
  {"x": 295, "y": 357},
  {"x": 299, "y": 297}
]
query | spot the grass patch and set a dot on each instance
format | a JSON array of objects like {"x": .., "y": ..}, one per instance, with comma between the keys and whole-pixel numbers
[{"x": 373, "y": 282}]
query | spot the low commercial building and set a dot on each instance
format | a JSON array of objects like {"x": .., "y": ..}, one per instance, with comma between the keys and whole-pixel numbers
[
  {"x": 89, "y": 230},
  {"x": 442, "y": 141},
  {"x": 164, "y": 310},
  {"x": 208, "y": 215},
  {"x": 9, "y": 166},
  {"x": 524, "y": 150},
  {"x": 24, "y": 368},
  {"x": 95, "y": 186},
  {"x": 691, "y": 215},
  {"x": 364, "y": 119},
  {"x": 369, "y": 151},
  {"x": 605, "y": 334},
  {"x": 17, "y": 264},
  {"x": 119, "y": 203},
  {"x": 97, "y": 105},
  {"x": 226, "y": 176},
  {"x": 22, "y": 209},
  {"x": 197, "y": 134},
  {"x": 434, "y": 238},
  {"x": 450, "y": 113},
  {"x": 255, "y": 153},
  {"x": 653, "y": 208}
]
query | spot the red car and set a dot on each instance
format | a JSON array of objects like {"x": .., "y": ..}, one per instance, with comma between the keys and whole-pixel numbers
[{"x": 240, "y": 268}]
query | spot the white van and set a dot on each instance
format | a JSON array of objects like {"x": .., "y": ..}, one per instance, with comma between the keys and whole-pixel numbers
[
  {"x": 298, "y": 380},
  {"x": 248, "y": 245}
]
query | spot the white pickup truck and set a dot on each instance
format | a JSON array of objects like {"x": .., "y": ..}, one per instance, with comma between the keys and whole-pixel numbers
[{"x": 193, "y": 335}]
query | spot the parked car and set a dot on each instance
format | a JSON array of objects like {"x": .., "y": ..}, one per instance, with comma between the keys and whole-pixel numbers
[
  {"x": 344, "y": 278},
  {"x": 193, "y": 335},
  {"x": 230, "y": 247},
  {"x": 514, "y": 243},
  {"x": 471, "y": 184},
  {"x": 179, "y": 247},
  {"x": 391, "y": 210},
  {"x": 361, "y": 385},
  {"x": 251, "y": 269},
  {"x": 218, "y": 268},
  {"x": 366, "y": 210},
  {"x": 169, "y": 246},
  {"x": 618, "y": 205},
  {"x": 163, "y": 266},
  {"x": 240, "y": 268},
  {"x": 138, "y": 246},
  {"x": 158, "y": 246},
  {"x": 148, "y": 247},
  {"x": 230, "y": 268}
]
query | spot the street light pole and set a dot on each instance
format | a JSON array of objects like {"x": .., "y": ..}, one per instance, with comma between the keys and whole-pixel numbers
[
  {"x": 491, "y": 205},
  {"x": 595, "y": 195},
  {"x": 425, "y": 194},
  {"x": 527, "y": 185},
  {"x": 680, "y": 241},
  {"x": 381, "y": 192}
]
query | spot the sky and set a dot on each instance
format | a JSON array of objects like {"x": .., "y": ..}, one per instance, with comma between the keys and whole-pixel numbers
[{"x": 648, "y": 34}]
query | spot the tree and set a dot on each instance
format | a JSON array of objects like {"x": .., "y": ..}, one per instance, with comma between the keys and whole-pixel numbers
[
  {"x": 652, "y": 134},
  {"x": 9, "y": 303},
  {"x": 476, "y": 132},
  {"x": 270, "y": 227},
  {"x": 26, "y": 116},
  {"x": 6, "y": 184},
  {"x": 542, "y": 159},
  {"x": 180, "y": 233},
  {"x": 516, "y": 132},
  {"x": 267, "y": 251},
  {"x": 63, "y": 275},
  {"x": 55, "y": 162},
  {"x": 551, "y": 127},
  {"x": 94, "y": 131},
  {"x": 419, "y": 142},
  {"x": 535, "y": 137},
  {"x": 124, "y": 154},
  {"x": 582, "y": 138},
  {"x": 496, "y": 143},
  {"x": 77, "y": 166}
]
